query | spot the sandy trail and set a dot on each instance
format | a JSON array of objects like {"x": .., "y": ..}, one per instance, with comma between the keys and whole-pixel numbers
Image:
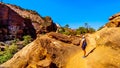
[
  {"x": 80, "y": 63},
  {"x": 97, "y": 57},
  {"x": 77, "y": 61}
]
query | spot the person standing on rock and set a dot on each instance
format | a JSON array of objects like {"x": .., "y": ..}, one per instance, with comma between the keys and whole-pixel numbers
[{"x": 83, "y": 45}]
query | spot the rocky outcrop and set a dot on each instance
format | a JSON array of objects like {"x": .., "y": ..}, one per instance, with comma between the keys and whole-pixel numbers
[
  {"x": 16, "y": 22},
  {"x": 44, "y": 52},
  {"x": 64, "y": 38},
  {"x": 75, "y": 40},
  {"x": 109, "y": 37},
  {"x": 25, "y": 13},
  {"x": 114, "y": 21},
  {"x": 47, "y": 52},
  {"x": 41, "y": 24},
  {"x": 12, "y": 25},
  {"x": 60, "y": 37},
  {"x": 47, "y": 26}
]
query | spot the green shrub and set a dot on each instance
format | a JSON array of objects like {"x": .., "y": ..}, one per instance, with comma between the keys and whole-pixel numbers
[
  {"x": 61, "y": 30},
  {"x": 8, "y": 53},
  {"x": 15, "y": 41},
  {"x": 27, "y": 39},
  {"x": 12, "y": 49},
  {"x": 6, "y": 56},
  {"x": 91, "y": 30},
  {"x": 81, "y": 30}
]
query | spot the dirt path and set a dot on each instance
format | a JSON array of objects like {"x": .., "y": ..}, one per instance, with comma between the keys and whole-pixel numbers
[
  {"x": 98, "y": 57},
  {"x": 77, "y": 61}
]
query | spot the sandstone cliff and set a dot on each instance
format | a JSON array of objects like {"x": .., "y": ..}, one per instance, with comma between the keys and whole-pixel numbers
[
  {"x": 41, "y": 24},
  {"x": 12, "y": 25},
  {"x": 15, "y": 22}
]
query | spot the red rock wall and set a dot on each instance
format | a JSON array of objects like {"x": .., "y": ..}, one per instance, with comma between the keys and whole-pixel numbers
[{"x": 12, "y": 25}]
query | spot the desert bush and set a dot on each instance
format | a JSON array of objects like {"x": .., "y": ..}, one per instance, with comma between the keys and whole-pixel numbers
[
  {"x": 61, "y": 30},
  {"x": 81, "y": 30},
  {"x": 8, "y": 53},
  {"x": 91, "y": 30},
  {"x": 27, "y": 39},
  {"x": 5, "y": 56},
  {"x": 15, "y": 41},
  {"x": 66, "y": 30},
  {"x": 12, "y": 49}
]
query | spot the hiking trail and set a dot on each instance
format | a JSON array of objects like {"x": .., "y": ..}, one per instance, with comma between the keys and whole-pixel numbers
[
  {"x": 97, "y": 57},
  {"x": 77, "y": 61}
]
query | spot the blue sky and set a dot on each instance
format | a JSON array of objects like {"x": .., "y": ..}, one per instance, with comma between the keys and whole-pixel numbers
[{"x": 73, "y": 12}]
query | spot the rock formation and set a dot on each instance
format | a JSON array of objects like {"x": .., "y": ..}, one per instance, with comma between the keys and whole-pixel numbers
[
  {"x": 64, "y": 38},
  {"x": 47, "y": 26},
  {"x": 41, "y": 24},
  {"x": 102, "y": 50},
  {"x": 44, "y": 52},
  {"x": 48, "y": 52},
  {"x": 16, "y": 22},
  {"x": 114, "y": 21},
  {"x": 54, "y": 50},
  {"x": 60, "y": 37},
  {"x": 12, "y": 25}
]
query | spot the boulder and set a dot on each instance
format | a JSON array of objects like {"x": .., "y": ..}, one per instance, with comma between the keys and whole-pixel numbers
[
  {"x": 42, "y": 53},
  {"x": 61, "y": 37},
  {"x": 76, "y": 40}
]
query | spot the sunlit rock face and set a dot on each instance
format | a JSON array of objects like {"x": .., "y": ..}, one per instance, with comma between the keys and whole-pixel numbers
[
  {"x": 41, "y": 24},
  {"x": 114, "y": 21}
]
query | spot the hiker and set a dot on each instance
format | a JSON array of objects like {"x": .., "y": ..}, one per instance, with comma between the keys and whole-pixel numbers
[{"x": 83, "y": 45}]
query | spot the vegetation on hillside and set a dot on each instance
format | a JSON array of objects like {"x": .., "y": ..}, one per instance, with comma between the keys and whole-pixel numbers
[
  {"x": 7, "y": 53},
  {"x": 27, "y": 39},
  {"x": 81, "y": 30},
  {"x": 9, "y": 50}
]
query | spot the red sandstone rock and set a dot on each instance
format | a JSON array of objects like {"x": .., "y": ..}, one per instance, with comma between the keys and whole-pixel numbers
[{"x": 12, "y": 25}]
